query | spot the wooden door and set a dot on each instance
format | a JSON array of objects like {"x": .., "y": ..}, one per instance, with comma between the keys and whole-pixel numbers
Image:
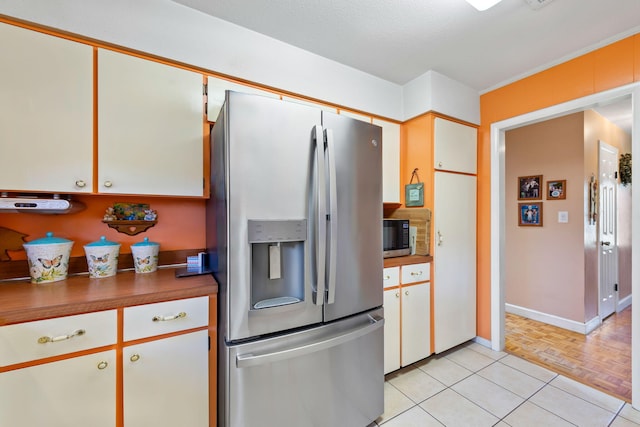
[
  {"x": 166, "y": 382},
  {"x": 46, "y": 112},
  {"x": 455, "y": 259},
  {"x": 608, "y": 212},
  {"x": 80, "y": 391},
  {"x": 150, "y": 127},
  {"x": 391, "y": 330},
  {"x": 416, "y": 333}
]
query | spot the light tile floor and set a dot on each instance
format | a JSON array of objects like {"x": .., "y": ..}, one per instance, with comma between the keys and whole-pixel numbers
[{"x": 472, "y": 385}]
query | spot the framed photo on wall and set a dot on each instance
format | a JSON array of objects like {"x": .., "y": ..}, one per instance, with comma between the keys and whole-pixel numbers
[
  {"x": 530, "y": 187},
  {"x": 557, "y": 190},
  {"x": 530, "y": 214}
]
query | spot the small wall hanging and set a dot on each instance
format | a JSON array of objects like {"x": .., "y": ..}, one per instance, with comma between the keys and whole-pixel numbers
[
  {"x": 130, "y": 218},
  {"x": 414, "y": 193},
  {"x": 625, "y": 169},
  {"x": 593, "y": 200}
]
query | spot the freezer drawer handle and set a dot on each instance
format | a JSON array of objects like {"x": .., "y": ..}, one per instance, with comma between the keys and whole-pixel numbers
[{"x": 250, "y": 359}]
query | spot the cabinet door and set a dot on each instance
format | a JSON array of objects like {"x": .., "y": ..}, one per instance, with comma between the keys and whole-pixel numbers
[
  {"x": 454, "y": 146},
  {"x": 416, "y": 332},
  {"x": 454, "y": 302},
  {"x": 73, "y": 392},
  {"x": 166, "y": 382},
  {"x": 150, "y": 127},
  {"x": 46, "y": 112},
  {"x": 391, "y": 306},
  {"x": 216, "y": 89},
  {"x": 390, "y": 161}
]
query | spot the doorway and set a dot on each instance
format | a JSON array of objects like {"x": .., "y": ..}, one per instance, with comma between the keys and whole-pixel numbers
[{"x": 497, "y": 149}]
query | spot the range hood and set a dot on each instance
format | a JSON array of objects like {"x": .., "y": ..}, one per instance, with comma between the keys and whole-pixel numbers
[{"x": 42, "y": 204}]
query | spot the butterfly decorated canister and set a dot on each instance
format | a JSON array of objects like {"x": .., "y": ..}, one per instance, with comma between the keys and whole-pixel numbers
[
  {"x": 48, "y": 258},
  {"x": 145, "y": 256},
  {"x": 102, "y": 257}
]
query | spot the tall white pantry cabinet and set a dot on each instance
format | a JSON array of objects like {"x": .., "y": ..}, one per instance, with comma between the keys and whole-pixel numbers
[{"x": 454, "y": 213}]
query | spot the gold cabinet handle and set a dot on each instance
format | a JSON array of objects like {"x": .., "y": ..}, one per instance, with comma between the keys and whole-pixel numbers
[
  {"x": 80, "y": 183},
  {"x": 397, "y": 294},
  {"x": 102, "y": 365},
  {"x": 134, "y": 357},
  {"x": 406, "y": 292},
  {"x": 108, "y": 184},
  {"x": 387, "y": 277},
  {"x": 76, "y": 333},
  {"x": 419, "y": 273},
  {"x": 180, "y": 315}
]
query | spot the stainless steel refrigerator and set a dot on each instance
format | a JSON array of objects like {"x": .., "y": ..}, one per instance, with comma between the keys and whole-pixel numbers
[{"x": 294, "y": 232}]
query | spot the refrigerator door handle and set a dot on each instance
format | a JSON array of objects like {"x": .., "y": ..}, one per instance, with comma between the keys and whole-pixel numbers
[
  {"x": 250, "y": 359},
  {"x": 333, "y": 216},
  {"x": 321, "y": 216}
]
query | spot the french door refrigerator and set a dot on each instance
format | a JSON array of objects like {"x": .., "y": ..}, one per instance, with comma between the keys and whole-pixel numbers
[{"x": 294, "y": 231}]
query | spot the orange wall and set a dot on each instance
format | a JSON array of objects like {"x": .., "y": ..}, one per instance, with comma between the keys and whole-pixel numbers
[
  {"x": 606, "y": 68},
  {"x": 180, "y": 224}
]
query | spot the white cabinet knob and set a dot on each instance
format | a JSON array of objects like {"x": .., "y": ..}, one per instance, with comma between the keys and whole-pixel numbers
[
  {"x": 80, "y": 183},
  {"x": 406, "y": 292},
  {"x": 108, "y": 184}
]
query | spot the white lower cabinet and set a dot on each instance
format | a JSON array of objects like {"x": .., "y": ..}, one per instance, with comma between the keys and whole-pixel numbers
[
  {"x": 165, "y": 368},
  {"x": 80, "y": 391},
  {"x": 416, "y": 336},
  {"x": 166, "y": 382},
  {"x": 407, "y": 328},
  {"x": 391, "y": 303}
]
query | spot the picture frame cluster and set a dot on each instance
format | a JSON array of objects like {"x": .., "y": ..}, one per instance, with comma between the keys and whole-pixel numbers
[{"x": 530, "y": 192}]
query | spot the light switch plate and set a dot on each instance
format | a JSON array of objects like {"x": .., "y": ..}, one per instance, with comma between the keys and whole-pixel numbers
[{"x": 563, "y": 216}]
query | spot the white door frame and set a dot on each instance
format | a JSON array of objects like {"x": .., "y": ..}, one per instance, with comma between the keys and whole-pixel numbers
[{"x": 497, "y": 149}]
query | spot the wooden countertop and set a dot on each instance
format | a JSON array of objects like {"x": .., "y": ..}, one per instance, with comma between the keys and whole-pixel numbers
[
  {"x": 406, "y": 260},
  {"x": 22, "y": 301}
]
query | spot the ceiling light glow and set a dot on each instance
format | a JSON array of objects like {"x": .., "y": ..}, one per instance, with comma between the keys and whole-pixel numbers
[{"x": 483, "y": 4}]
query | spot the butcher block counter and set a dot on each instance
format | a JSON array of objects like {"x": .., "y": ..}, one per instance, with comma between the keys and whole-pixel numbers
[{"x": 22, "y": 301}]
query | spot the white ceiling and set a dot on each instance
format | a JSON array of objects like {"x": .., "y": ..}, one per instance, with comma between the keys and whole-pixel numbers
[{"x": 399, "y": 40}]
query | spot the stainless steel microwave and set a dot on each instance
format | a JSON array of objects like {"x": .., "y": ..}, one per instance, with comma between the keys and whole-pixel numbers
[{"x": 395, "y": 237}]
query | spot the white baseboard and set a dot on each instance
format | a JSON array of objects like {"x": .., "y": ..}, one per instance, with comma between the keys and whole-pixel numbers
[
  {"x": 482, "y": 341},
  {"x": 623, "y": 303},
  {"x": 572, "y": 325}
]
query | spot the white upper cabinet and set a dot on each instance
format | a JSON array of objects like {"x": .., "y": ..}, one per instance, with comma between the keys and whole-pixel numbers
[
  {"x": 390, "y": 161},
  {"x": 215, "y": 94},
  {"x": 356, "y": 116},
  {"x": 46, "y": 112},
  {"x": 455, "y": 146},
  {"x": 150, "y": 127}
]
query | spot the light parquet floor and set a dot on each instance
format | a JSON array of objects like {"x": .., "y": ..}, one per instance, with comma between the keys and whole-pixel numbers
[{"x": 601, "y": 359}]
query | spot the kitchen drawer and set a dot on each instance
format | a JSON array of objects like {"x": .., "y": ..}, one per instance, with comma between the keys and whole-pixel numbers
[
  {"x": 391, "y": 277},
  {"x": 23, "y": 342},
  {"x": 165, "y": 317},
  {"x": 413, "y": 273}
]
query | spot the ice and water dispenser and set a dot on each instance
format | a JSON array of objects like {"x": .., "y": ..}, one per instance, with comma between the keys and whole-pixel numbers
[{"x": 277, "y": 262}]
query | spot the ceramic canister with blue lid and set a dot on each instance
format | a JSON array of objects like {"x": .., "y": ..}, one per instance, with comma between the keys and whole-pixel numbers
[
  {"x": 145, "y": 256},
  {"x": 48, "y": 258},
  {"x": 102, "y": 257}
]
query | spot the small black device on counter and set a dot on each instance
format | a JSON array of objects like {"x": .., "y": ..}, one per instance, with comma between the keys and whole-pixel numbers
[{"x": 395, "y": 237}]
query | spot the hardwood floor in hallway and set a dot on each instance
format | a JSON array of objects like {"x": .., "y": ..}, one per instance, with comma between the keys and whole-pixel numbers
[{"x": 601, "y": 359}]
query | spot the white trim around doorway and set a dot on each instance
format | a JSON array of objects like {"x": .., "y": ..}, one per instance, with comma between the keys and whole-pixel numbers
[{"x": 497, "y": 148}]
